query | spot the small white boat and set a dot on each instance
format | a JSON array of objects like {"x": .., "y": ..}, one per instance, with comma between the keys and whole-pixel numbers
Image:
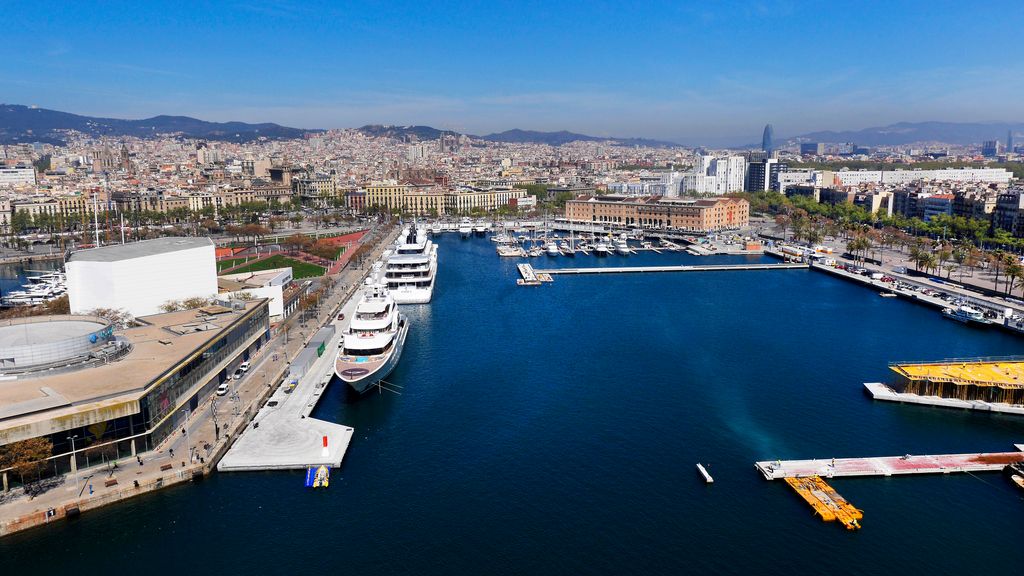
[
  {"x": 967, "y": 315},
  {"x": 551, "y": 249},
  {"x": 601, "y": 249},
  {"x": 703, "y": 472}
]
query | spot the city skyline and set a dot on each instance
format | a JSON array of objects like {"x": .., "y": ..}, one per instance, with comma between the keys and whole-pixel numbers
[{"x": 693, "y": 74}]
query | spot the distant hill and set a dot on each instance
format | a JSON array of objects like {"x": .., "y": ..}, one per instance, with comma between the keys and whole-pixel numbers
[
  {"x": 404, "y": 132},
  {"x": 564, "y": 137},
  {"x": 24, "y": 124},
  {"x": 910, "y": 132}
]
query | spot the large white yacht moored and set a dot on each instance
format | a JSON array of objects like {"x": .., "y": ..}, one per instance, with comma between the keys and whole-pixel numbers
[
  {"x": 465, "y": 227},
  {"x": 411, "y": 267},
  {"x": 372, "y": 346}
]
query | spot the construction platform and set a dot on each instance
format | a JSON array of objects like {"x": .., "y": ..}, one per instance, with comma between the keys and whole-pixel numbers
[
  {"x": 826, "y": 502},
  {"x": 282, "y": 436},
  {"x": 890, "y": 465},
  {"x": 880, "y": 391},
  {"x": 644, "y": 269},
  {"x": 992, "y": 371}
]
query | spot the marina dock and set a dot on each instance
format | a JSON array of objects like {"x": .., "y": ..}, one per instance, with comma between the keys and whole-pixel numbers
[
  {"x": 282, "y": 436},
  {"x": 647, "y": 269},
  {"x": 889, "y": 465}
]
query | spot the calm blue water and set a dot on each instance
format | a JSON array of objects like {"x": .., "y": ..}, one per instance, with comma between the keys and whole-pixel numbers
[{"x": 554, "y": 430}]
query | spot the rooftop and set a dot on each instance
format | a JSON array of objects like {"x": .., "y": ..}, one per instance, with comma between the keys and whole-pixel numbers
[
  {"x": 161, "y": 342},
  {"x": 117, "y": 252},
  {"x": 995, "y": 372},
  {"x": 36, "y": 330}
]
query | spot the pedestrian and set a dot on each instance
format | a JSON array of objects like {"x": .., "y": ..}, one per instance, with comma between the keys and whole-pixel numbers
[{"x": 172, "y": 452}]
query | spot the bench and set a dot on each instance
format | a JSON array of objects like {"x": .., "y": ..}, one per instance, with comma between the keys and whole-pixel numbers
[
  {"x": 165, "y": 467},
  {"x": 110, "y": 482}
]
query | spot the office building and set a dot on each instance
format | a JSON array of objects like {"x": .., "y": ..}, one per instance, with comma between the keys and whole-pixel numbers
[
  {"x": 767, "y": 136},
  {"x": 812, "y": 148}
]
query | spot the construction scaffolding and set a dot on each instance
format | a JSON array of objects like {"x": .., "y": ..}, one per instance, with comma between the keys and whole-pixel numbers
[{"x": 999, "y": 380}]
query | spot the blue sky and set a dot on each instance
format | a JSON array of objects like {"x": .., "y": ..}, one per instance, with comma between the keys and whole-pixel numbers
[{"x": 694, "y": 72}]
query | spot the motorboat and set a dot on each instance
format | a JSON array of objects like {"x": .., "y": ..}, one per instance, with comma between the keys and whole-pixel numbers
[
  {"x": 621, "y": 246},
  {"x": 967, "y": 315}
]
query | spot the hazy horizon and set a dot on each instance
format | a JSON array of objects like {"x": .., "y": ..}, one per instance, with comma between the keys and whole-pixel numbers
[{"x": 702, "y": 73}]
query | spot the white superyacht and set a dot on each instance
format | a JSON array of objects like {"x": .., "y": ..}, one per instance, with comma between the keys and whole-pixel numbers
[
  {"x": 372, "y": 346},
  {"x": 410, "y": 267}
]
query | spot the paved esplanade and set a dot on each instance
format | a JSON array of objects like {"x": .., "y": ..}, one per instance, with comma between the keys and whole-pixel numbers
[{"x": 282, "y": 436}]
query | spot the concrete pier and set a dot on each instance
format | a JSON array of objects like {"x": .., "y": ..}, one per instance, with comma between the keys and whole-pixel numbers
[
  {"x": 643, "y": 269},
  {"x": 282, "y": 436},
  {"x": 889, "y": 465},
  {"x": 879, "y": 391}
]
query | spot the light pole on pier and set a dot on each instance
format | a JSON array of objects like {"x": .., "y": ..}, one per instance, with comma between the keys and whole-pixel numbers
[{"x": 74, "y": 459}]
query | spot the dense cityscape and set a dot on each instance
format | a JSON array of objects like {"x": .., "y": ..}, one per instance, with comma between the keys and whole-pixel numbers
[{"x": 510, "y": 302}]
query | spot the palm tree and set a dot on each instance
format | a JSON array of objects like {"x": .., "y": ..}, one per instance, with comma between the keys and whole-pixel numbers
[
  {"x": 930, "y": 261},
  {"x": 1014, "y": 276}
]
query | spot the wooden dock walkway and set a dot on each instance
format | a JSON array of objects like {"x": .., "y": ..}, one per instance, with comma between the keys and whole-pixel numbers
[
  {"x": 889, "y": 465},
  {"x": 644, "y": 269}
]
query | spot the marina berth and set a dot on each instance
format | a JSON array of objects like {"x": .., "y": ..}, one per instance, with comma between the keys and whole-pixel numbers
[
  {"x": 372, "y": 346},
  {"x": 411, "y": 266}
]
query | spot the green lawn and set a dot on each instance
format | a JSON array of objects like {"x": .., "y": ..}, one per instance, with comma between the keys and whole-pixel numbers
[
  {"x": 228, "y": 263},
  {"x": 299, "y": 269}
]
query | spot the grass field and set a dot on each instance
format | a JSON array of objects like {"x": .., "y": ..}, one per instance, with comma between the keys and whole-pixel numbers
[
  {"x": 228, "y": 263},
  {"x": 299, "y": 269}
]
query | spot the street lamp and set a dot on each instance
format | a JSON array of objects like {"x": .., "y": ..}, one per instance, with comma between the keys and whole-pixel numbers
[
  {"x": 188, "y": 441},
  {"x": 74, "y": 460}
]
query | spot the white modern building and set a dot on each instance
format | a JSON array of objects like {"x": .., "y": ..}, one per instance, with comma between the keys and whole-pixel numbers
[
  {"x": 269, "y": 284},
  {"x": 715, "y": 175},
  {"x": 141, "y": 276},
  {"x": 894, "y": 177},
  {"x": 17, "y": 176}
]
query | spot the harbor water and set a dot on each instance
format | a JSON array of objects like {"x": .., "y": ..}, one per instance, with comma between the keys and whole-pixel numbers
[{"x": 555, "y": 430}]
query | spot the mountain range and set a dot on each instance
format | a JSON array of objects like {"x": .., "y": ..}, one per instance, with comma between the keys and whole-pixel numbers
[
  {"x": 911, "y": 132},
  {"x": 564, "y": 137},
  {"x": 28, "y": 124}
]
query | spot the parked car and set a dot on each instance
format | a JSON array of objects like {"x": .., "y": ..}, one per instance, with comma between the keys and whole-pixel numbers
[
  {"x": 223, "y": 389},
  {"x": 244, "y": 366},
  {"x": 238, "y": 374}
]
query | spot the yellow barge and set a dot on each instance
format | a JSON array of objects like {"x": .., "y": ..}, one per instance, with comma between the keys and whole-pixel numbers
[{"x": 827, "y": 503}]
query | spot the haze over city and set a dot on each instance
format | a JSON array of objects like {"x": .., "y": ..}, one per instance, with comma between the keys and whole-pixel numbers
[{"x": 709, "y": 73}]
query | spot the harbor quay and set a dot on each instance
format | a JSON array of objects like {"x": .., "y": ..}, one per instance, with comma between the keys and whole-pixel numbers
[
  {"x": 889, "y": 465},
  {"x": 130, "y": 438},
  {"x": 282, "y": 435},
  {"x": 1006, "y": 315}
]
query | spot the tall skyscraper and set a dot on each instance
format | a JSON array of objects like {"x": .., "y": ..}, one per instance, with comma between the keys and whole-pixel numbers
[
  {"x": 766, "y": 138},
  {"x": 990, "y": 148},
  {"x": 1009, "y": 141}
]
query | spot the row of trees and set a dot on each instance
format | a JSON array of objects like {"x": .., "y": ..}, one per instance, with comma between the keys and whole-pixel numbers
[
  {"x": 847, "y": 216},
  {"x": 934, "y": 255}
]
